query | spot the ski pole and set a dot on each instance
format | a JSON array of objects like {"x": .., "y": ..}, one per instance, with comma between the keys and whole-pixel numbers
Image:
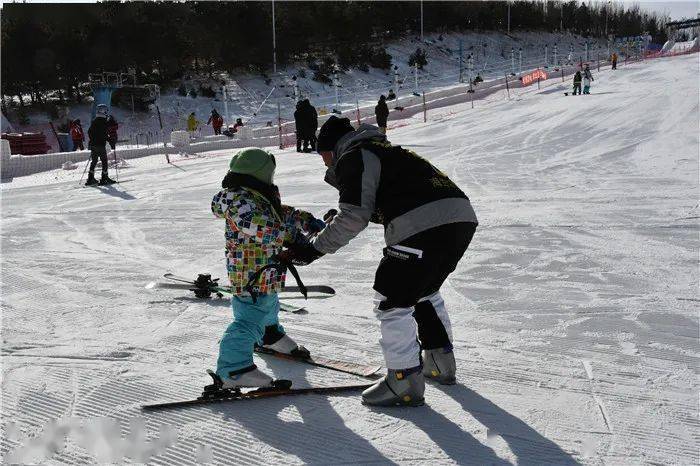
[
  {"x": 86, "y": 167},
  {"x": 116, "y": 163}
]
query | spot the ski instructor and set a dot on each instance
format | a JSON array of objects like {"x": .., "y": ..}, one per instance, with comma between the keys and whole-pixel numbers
[{"x": 428, "y": 224}]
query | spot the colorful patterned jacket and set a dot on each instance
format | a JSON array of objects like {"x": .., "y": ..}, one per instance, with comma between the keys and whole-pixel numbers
[{"x": 255, "y": 233}]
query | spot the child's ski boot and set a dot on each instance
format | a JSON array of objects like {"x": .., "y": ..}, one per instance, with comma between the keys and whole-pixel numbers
[
  {"x": 249, "y": 376},
  {"x": 281, "y": 343}
]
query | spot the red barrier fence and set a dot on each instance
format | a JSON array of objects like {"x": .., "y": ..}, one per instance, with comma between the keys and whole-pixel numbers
[{"x": 27, "y": 143}]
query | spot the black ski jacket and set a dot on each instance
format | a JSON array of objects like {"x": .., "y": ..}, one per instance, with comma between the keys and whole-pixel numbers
[
  {"x": 98, "y": 132},
  {"x": 390, "y": 185}
]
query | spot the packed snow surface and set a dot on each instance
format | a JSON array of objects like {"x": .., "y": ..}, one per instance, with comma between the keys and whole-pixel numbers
[{"x": 574, "y": 310}]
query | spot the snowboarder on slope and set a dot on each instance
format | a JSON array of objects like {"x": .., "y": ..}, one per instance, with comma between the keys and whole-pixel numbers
[
  {"x": 587, "y": 78},
  {"x": 577, "y": 82},
  {"x": 98, "y": 138},
  {"x": 381, "y": 111},
  {"x": 428, "y": 225},
  {"x": 257, "y": 225}
]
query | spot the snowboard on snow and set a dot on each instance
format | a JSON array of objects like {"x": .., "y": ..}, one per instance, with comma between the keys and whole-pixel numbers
[
  {"x": 363, "y": 370},
  {"x": 215, "y": 393}
]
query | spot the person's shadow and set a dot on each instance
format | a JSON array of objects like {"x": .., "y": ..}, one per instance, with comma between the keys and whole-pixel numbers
[
  {"x": 113, "y": 191},
  {"x": 526, "y": 443},
  {"x": 313, "y": 431}
]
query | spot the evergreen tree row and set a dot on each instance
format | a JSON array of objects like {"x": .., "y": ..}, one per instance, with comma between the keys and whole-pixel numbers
[{"x": 53, "y": 47}]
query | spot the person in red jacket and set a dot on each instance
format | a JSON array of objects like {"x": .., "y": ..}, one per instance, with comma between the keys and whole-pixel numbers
[
  {"x": 112, "y": 127},
  {"x": 216, "y": 120},
  {"x": 77, "y": 135}
]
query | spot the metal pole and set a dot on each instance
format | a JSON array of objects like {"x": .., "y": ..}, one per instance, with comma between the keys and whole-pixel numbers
[
  {"x": 274, "y": 42},
  {"x": 396, "y": 79},
  {"x": 588, "y": 57},
  {"x": 415, "y": 71},
  {"x": 508, "y": 16},
  {"x": 520, "y": 61},
  {"x": 546, "y": 54},
  {"x": 461, "y": 78},
  {"x": 279, "y": 124},
  {"x": 165, "y": 146},
  {"x": 225, "y": 102},
  {"x": 425, "y": 110},
  {"x": 507, "y": 86},
  {"x": 562, "y": 74},
  {"x": 512, "y": 60},
  {"x": 555, "y": 54},
  {"x": 538, "y": 78},
  {"x": 421, "y": 21},
  {"x": 336, "y": 83},
  {"x": 357, "y": 106}
]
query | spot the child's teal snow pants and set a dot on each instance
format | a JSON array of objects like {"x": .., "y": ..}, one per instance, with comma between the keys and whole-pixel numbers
[{"x": 247, "y": 328}]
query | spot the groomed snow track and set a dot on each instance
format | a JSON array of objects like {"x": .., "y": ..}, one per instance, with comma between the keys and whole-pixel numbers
[{"x": 574, "y": 310}]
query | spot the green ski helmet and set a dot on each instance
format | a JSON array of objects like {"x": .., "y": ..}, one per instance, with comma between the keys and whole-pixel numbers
[{"x": 257, "y": 163}]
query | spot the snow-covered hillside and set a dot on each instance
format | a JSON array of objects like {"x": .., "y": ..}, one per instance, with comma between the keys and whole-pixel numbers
[
  {"x": 574, "y": 310},
  {"x": 252, "y": 98}
]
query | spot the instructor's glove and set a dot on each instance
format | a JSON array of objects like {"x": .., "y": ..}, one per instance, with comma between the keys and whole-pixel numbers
[
  {"x": 330, "y": 215},
  {"x": 316, "y": 225},
  {"x": 300, "y": 254}
]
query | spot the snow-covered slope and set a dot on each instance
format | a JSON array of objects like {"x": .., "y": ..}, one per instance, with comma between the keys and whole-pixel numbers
[
  {"x": 574, "y": 310},
  {"x": 255, "y": 100}
]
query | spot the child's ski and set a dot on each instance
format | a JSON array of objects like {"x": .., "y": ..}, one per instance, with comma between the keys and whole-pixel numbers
[
  {"x": 321, "y": 289},
  {"x": 216, "y": 394},
  {"x": 363, "y": 370}
]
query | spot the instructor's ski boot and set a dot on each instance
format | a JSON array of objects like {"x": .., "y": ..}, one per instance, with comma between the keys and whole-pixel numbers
[
  {"x": 404, "y": 387},
  {"x": 106, "y": 180},
  {"x": 91, "y": 181},
  {"x": 281, "y": 343},
  {"x": 249, "y": 376},
  {"x": 439, "y": 365}
]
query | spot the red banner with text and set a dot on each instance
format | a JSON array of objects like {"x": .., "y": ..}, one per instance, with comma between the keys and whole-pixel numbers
[{"x": 534, "y": 76}]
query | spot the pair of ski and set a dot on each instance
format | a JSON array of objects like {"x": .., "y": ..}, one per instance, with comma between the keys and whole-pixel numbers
[
  {"x": 204, "y": 287},
  {"x": 215, "y": 393}
]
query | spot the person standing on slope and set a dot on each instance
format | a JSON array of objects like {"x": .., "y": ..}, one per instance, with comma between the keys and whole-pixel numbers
[
  {"x": 112, "y": 129},
  {"x": 300, "y": 124},
  {"x": 312, "y": 117},
  {"x": 192, "y": 124},
  {"x": 381, "y": 112},
  {"x": 216, "y": 121},
  {"x": 257, "y": 225},
  {"x": 428, "y": 225},
  {"x": 577, "y": 82},
  {"x": 77, "y": 135},
  {"x": 587, "y": 79},
  {"x": 98, "y": 138}
]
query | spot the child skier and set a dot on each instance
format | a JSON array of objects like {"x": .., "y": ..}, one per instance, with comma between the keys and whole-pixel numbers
[
  {"x": 257, "y": 226},
  {"x": 587, "y": 78}
]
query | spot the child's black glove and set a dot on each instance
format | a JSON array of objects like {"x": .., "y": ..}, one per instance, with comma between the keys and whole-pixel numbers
[{"x": 300, "y": 254}]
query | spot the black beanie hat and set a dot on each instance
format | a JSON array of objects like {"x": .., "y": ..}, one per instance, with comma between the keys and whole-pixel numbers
[{"x": 331, "y": 132}]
